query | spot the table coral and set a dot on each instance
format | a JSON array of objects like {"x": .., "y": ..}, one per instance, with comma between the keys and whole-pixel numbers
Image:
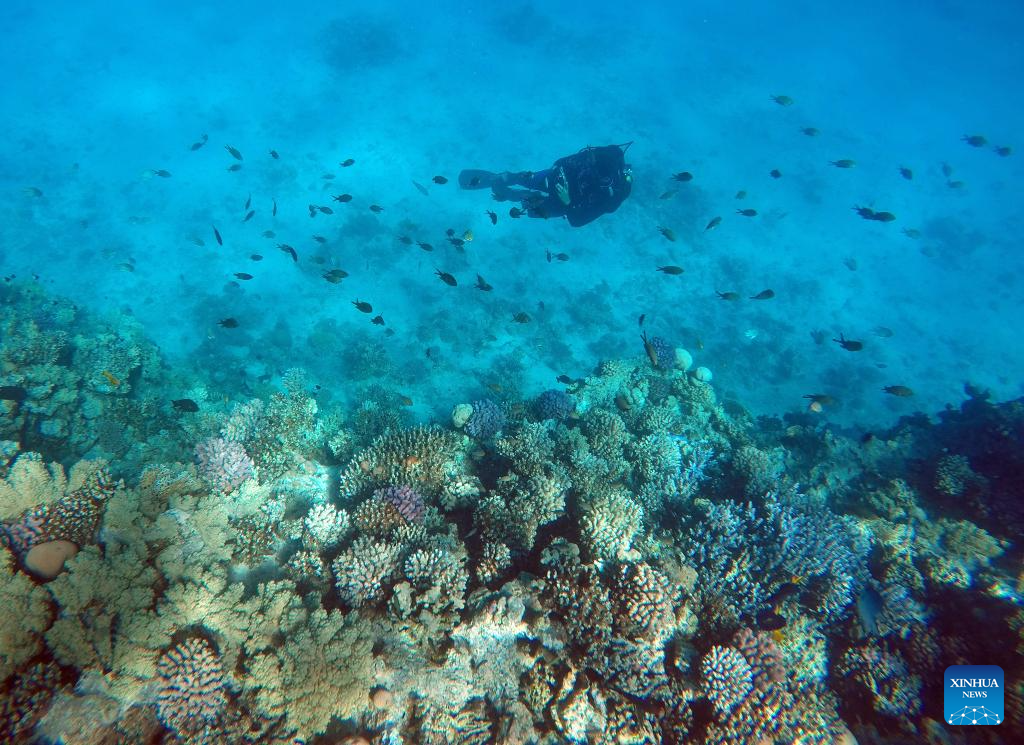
[{"x": 321, "y": 670}]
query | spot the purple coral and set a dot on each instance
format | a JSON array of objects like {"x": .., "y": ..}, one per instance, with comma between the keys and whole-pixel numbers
[
  {"x": 486, "y": 420},
  {"x": 554, "y": 404},
  {"x": 74, "y": 518},
  {"x": 406, "y": 501},
  {"x": 223, "y": 464},
  {"x": 191, "y": 698}
]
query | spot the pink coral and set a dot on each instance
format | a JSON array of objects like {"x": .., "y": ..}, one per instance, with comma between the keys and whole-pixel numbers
[
  {"x": 223, "y": 464},
  {"x": 406, "y": 501}
]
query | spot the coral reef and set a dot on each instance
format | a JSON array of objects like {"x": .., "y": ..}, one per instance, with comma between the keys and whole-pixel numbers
[{"x": 191, "y": 698}]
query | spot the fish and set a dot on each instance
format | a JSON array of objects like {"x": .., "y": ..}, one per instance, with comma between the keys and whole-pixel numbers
[
  {"x": 439, "y": 180},
  {"x": 843, "y": 163},
  {"x": 481, "y": 284},
  {"x": 273, "y": 212},
  {"x": 565, "y": 380},
  {"x": 741, "y": 194},
  {"x": 425, "y": 246},
  {"x": 228, "y": 323},
  {"x": 748, "y": 212},
  {"x": 883, "y": 331},
  {"x": 866, "y": 212},
  {"x": 185, "y": 404},
  {"x": 769, "y": 620},
  {"x": 901, "y": 391},
  {"x": 327, "y": 176},
  {"x": 714, "y": 223},
  {"x": 562, "y": 256},
  {"x": 810, "y": 131},
  {"x": 162, "y": 173},
  {"x": 342, "y": 198},
  {"x": 447, "y": 278},
  {"x": 947, "y": 169},
  {"x": 319, "y": 239},
  {"x": 884, "y": 217},
  {"x": 682, "y": 176},
  {"x": 906, "y": 173},
  {"x": 268, "y": 234},
  {"x": 785, "y": 591},
  {"x": 652, "y": 353},
  {"x": 450, "y": 232},
  {"x": 334, "y": 276},
  {"x": 763, "y": 295},
  {"x": 404, "y": 400},
  {"x": 1003, "y": 151},
  {"x": 363, "y": 306},
  {"x": 974, "y": 140},
  {"x": 235, "y": 167},
  {"x": 850, "y": 263},
  {"x": 234, "y": 152},
  {"x": 668, "y": 194},
  {"x": 243, "y": 275},
  {"x": 216, "y": 234},
  {"x": 493, "y": 217},
  {"x": 199, "y": 143},
  {"x": 376, "y": 208},
  {"x": 775, "y": 173},
  {"x": 274, "y": 155},
  {"x": 326, "y": 210},
  {"x": 457, "y": 242},
  {"x": 521, "y": 317},
  {"x": 111, "y": 378},
  {"x": 955, "y": 184},
  {"x": 249, "y": 215},
  {"x": 640, "y": 320},
  {"x": 671, "y": 269},
  {"x": 198, "y": 241},
  {"x": 289, "y": 250},
  {"x": 33, "y": 191},
  {"x": 421, "y": 188},
  {"x": 728, "y": 295},
  {"x": 347, "y": 162},
  {"x": 783, "y": 100},
  {"x": 667, "y": 232},
  {"x": 256, "y": 257},
  {"x": 14, "y": 393},
  {"x": 248, "y": 202},
  {"x": 467, "y": 236},
  {"x": 848, "y": 344},
  {"x": 377, "y": 320},
  {"x": 870, "y": 604},
  {"x": 818, "y": 401},
  {"x": 515, "y": 213}
]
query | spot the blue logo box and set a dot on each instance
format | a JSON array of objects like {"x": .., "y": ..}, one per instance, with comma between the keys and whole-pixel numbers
[{"x": 973, "y": 694}]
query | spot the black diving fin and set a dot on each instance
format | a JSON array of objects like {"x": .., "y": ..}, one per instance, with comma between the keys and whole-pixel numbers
[{"x": 476, "y": 179}]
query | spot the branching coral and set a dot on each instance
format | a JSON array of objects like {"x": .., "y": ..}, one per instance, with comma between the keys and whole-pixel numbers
[
  {"x": 191, "y": 699},
  {"x": 609, "y": 524},
  {"x": 26, "y": 614}
]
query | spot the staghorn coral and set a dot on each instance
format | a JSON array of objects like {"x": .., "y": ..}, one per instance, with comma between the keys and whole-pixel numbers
[
  {"x": 223, "y": 464},
  {"x": 191, "y": 700},
  {"x": 322, "y": 670}
]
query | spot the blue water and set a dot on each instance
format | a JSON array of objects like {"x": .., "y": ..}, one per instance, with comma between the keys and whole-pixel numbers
[{"x": 96, "y": 101}]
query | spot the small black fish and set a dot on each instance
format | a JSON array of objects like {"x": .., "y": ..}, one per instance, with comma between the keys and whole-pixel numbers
[
  {"x": 347, "y": 162},
  {"x": 228, "y": 323},
  {"x": 457, "y": 242},
  {"x": 728, "y": 295},
  {"x": 450, "y": 232},
  {"x": 481, "y": 284},
  {"x": 342, "y": 197},
  {"x": 376, "y": 208},
  {"x": 13, "y": 393},
  {"x": 715, "y": 222},
  {"x": 843, "y": 163},
  {"x": 185, "y": 404},
  {"x": 906, "y": 173},
  {"x": 405, "y": 240},
  {"x": 975, "y": 140},
  {"x": 234, "y": 152},
  {"x": 312, "y": 210},
  {"x": 439, "y": 180},
  {"x": 325, "y": 210},
  {"x": 775, "y": 173},
  {"x": 682, "y": 176},
  {"x": 848, "y": 344},
  {"x": 421, "y": 188},
  {"x": 289, "y": 250},
  {"x": 493, "y": 216},
  {"x": 671, "y": 269},
  {"x": 425, "y": 246},
  {"x": 1003, "y": 151},
  {"x": 785, "y": 590},
  {"x": 810, "y": 131},
  {"x": 764, "y": 295},
  {"x": 319, "y": 239},
  {"x": 377, "y": 320},
  {"x": 562, "y": 256},
  {"x": 770, "y": 621},
  {"x": 564, "y": 379},
  {"x": 256, "y": 257},
  {"x": 274, "y": 155},
  {"x": 216, "y": 234},
  {"x": 640, "y": 320},
  {"x": 363, "y": 306},
  {"x": 516, "y": 213},
  {"x": 249, "y": 215},
  {"x": 235, "y": 167},
  {"x": 521, "y": 317},
  {"x": 447, "y": 278},
  {"x": 162, "y": 173},
  {"x": 248, "y": 203},
  {"x": 748, "y": 212},
  {"x": 243, "y": 275},
  {"x": 268, "y": 234},
  {"x": 334, "y": 276},
  {"x": 200, "y": 143},
  {"x": 273, "y": 212}
]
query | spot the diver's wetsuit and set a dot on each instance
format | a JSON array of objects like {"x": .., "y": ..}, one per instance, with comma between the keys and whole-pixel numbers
[{"x": 597, "y": 179}]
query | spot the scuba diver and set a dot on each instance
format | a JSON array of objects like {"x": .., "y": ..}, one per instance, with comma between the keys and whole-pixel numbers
[{"x": 580, "y": 187}]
